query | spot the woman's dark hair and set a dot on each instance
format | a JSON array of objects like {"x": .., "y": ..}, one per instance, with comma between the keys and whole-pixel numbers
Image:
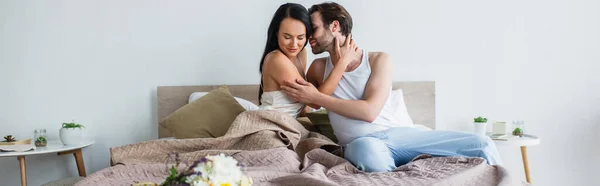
[{"x": 291, "y": 10}]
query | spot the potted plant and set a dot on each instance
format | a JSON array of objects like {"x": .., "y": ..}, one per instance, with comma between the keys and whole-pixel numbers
[
  {"x": 41, "y": 141},
  {"x": 70, "y": 133},
  {"x": 9, "y": 138},
  {"x": 519, "y": 128},
  {"x": 518, "y": 132},
  {"x": 480, "y": 125}
]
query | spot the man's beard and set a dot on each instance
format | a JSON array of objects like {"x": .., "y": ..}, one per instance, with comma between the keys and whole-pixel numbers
[{"x": 321, "y": 47}]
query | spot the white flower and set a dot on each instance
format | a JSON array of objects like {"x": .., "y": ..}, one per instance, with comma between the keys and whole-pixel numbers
[
  {"x": 200, "y": 183},
  {"x": 205, "y": 169},
  {"x": 191, "y": 178},
  {"x": 196, "y": 181},
  {"x": 218, "y": 170}
]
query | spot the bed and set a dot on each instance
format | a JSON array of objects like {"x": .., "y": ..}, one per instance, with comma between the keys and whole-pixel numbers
[{"x": 279, "y": 150}]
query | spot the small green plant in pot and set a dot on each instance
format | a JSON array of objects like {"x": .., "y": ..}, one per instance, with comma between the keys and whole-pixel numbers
[
  {"x": 480, "y": 120},
  {"x": 480, "y": 124},
  {"x": 41, "y": 141},
  {"x": 519, "y": 129},
  {"x": 518, "y": 132},
  {"x": 72, "y": 125},
  {"x": 70, "y": 133}
]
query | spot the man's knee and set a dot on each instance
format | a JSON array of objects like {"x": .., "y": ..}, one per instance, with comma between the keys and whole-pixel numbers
[
  {"x": 370, "y": 154},
  {"x": 483, "y": 141},
  {"x": 487, "y": 149}
]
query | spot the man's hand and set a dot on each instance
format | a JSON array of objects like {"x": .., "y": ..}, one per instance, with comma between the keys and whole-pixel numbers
[
  {"x": 301, "y": 91},
  {"x": 344, "y": 54}
]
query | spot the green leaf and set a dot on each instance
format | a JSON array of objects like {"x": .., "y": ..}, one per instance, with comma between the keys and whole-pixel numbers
[
  {"x": 173, "y": 171},
  {"x": 41, "y": 139},
  {"x": 72, "y": 125},
  {"x": 480, "y": 119}
]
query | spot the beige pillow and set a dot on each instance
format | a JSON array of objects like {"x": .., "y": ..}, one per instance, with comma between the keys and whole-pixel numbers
[{"x": 208, "y": 117}]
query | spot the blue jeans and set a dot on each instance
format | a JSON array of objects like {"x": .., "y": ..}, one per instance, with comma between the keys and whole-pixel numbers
[{"x": 385, "y": 150}]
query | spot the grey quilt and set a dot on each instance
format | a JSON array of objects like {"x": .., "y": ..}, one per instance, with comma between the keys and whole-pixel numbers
[{"x": 270, "y": 145}]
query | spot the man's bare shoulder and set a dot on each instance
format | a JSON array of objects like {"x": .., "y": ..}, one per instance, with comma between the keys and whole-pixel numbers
[
  {"x": 318, "y": 64},
  {"x": 378, "y": 57},
  {"x": 319, "y": 61},
  {"x": 316, "y": 70}
]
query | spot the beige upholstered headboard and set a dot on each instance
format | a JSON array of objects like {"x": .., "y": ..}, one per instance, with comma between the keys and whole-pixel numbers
[{"x": 418, "y": 96}]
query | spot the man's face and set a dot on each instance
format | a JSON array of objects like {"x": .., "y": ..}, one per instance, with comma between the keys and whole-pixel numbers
[{"x": 322, "y": 37}]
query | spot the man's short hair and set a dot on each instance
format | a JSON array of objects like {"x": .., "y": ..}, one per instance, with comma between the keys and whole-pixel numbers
[{"x": 331, "y": 11}]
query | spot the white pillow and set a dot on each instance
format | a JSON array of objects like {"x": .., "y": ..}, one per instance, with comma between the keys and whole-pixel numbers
[
  {"x": 245, "y": 103},
  {"x": 399, "y": 108}
]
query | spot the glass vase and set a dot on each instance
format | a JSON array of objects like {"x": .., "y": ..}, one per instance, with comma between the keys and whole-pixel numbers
[
  {"x": 518, "y": 128},
  {"x": 39, "y": 138}
]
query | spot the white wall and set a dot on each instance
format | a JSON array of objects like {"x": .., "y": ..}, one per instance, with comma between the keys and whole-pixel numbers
[{"x": 99, "y": 62}]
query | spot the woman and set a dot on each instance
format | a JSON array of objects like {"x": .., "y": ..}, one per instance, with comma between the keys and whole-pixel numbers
[{"x": 284, "y": 57}]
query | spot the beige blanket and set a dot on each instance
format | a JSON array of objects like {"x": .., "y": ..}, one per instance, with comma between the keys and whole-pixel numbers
[{"x": 270, "y": 145}]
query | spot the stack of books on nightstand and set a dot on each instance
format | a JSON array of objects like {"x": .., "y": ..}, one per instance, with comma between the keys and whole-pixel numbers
[{"x": 497, "y": 136}]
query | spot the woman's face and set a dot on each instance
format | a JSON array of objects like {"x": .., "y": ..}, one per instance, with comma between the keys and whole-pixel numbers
[{"x": 291, "y": 36}]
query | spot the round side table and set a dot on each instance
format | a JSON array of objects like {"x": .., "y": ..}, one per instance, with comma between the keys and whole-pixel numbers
[
  {"x": 52, "y": 147},
  {"x": 523, "y": 142}
]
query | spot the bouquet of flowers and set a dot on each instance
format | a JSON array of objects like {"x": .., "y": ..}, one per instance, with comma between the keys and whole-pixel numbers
[{"x": 218, "y": 170}]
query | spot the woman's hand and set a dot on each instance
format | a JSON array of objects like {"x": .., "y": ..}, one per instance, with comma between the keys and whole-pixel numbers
[{"x": 344, "y": 54}]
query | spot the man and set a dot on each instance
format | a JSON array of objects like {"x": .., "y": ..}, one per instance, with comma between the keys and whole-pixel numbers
[{"x": 354, "y": 86}]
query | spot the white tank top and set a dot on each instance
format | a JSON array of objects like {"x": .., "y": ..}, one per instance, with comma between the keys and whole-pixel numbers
[
  {"x": 352, "y": 87},
  {"x": 277, "y": 100}
]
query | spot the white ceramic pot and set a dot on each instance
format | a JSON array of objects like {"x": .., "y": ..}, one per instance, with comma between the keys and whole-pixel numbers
[
  {"x": 70, "y": 136},
  {"x": 480, "y": 128}
]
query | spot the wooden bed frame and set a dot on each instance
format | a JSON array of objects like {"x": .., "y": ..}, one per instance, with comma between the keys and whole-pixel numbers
[{"x": 418, "y": 96}]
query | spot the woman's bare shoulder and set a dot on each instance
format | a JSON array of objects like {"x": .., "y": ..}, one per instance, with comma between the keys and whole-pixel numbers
[{"x": 277, "y": 61}]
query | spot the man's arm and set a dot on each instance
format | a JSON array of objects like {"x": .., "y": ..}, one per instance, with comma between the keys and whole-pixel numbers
[{"x": 376, "y": 93}]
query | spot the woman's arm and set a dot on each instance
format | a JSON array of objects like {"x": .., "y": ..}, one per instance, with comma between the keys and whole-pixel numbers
[
  {"x": 279, "y": 68},
  {"x": 341, "y": 58},
  {"x": 376, "y": 93}
]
